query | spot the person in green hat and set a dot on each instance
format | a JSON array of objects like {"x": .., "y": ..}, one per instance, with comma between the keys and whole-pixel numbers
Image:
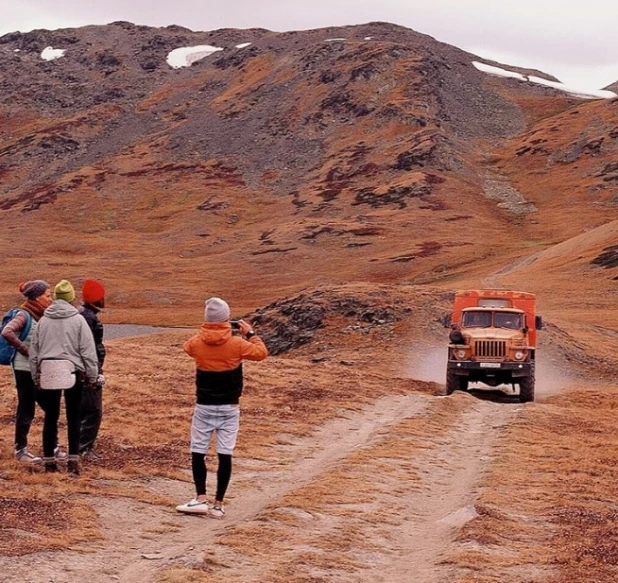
[{"x": 62, "y": 339}]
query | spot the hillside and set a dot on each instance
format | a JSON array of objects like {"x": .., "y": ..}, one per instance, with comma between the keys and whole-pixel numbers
[{"x": 372, "y": 145}]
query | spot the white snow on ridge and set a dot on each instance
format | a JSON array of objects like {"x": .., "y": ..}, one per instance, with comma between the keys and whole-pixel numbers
[
  {"x": 578, "y": 92},
  {"x": 242, "y": 45},
  {"x": 186, "y": 56},
  {"x": 498, "y": 71},
  {"x": 50, "y": 53},
  {"x": 331, "y": 40},
  {"x": 575, "y": 91}
]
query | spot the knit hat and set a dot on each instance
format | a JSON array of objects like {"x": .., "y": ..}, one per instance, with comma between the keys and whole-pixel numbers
[
  {"x": 64, "y": 291},
  {"x": 34, "y": 288},
  {"x": 216, "y": 311},
  {"x": 92, "y": 291}
]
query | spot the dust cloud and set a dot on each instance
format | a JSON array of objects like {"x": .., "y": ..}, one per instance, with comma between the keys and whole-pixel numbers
[
  {"x": 428, "y": 364},
  {"x": 550, "y": 378}
]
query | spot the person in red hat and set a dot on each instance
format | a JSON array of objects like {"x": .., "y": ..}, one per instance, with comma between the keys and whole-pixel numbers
[{"x": 93, "y": 301}]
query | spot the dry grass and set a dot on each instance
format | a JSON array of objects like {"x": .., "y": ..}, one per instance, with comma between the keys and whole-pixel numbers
[{"x": 550, "y": 499}]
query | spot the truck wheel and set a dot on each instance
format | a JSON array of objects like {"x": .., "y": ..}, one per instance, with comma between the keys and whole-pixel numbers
[
  {"x": 455, "y": 383},
  {"x": 526, "y": 389}
]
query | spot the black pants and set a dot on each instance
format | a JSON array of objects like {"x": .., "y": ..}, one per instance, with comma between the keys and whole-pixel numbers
[
  {"x": 224, "y": 473},
  {"x": 91, "y": 415},
  {"x": 49, "y": 400},
  {"x": 26, "y": 399}
]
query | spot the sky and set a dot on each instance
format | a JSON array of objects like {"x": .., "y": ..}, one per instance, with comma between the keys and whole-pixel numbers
[{"x": 571, "y": 40}]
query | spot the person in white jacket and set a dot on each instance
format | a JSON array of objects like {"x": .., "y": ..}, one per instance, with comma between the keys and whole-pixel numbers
[{"x": 63, "y": 334}]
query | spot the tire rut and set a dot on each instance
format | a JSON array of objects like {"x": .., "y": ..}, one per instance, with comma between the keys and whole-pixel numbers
[
  {"x": 445, "y": 500},
  {"x": 332, "y": 442}
]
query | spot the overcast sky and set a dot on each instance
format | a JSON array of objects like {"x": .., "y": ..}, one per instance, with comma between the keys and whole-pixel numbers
[{"x": 571, "y": 40}]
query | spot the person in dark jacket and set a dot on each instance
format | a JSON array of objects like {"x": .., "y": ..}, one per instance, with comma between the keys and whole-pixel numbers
[
  {"x": 38, "y": 297},
  {"x": 218, "y": 355},
  {"x": 93, "y": 301}
]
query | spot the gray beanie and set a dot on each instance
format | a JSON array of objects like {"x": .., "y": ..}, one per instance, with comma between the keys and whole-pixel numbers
[
  {"x": 216, "y": 311},
  {"x": 34, "y": 288}
]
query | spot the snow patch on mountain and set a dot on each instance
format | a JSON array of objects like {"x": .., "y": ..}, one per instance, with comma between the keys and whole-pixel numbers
[
  {"x": 50, "y": 53},
  {"x": 186, "y": 56},
  {"x": 575, "y": 91}
]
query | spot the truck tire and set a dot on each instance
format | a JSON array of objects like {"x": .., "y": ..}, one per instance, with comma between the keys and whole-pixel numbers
[
  {"x": 455, "y": 383},
  {"x": 526, "y": 388}
]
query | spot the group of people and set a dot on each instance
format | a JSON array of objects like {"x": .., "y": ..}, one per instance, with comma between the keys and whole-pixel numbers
[
  {"x": 60, "y": 333},
  {"x": 46, "y": 328}
]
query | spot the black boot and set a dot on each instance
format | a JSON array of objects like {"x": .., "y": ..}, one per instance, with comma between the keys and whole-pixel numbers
[
  {"x": 50, "y": 464},
  {"x": 73, "y": 465}
]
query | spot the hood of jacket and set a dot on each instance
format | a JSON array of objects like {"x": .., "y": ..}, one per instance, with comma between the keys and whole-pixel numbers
[
  {"x": 215, "y": 334},
  {"x": 60, "y": 309}
]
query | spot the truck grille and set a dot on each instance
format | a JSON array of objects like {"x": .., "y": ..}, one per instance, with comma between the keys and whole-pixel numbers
[{"x": 491, "y": 349}]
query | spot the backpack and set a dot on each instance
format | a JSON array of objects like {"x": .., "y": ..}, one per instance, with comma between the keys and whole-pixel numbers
[{"x": 7, "y": 350}]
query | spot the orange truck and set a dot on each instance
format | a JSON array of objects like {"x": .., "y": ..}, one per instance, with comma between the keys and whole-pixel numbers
[{"x": 493, "y": 340}]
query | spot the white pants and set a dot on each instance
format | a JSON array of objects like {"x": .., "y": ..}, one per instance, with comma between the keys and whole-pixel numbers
[{"x": 225, "y": 419}]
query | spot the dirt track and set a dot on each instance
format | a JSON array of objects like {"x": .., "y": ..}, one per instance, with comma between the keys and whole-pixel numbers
[{"x": 424, "y": 494}]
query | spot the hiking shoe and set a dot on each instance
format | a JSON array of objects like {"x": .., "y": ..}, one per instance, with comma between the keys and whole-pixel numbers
[
  {"x": 90, "y": 455},
  {"x": 24, "y": 456},
  {"x": 194, "y": 507},
  {"x": 51, "y": 467},
  {"x": 217, "y": 511},
  {"x": 59, "y": 454},
  {"x": 73, "y": 467}
]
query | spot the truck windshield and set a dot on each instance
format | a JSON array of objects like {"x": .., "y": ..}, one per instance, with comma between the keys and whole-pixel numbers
[
  {"x": 506, "y": 320},
  {"x": 477, "y": 319}
]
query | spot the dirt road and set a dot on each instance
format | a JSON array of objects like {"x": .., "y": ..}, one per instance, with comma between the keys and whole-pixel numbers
[{"x": 401, "y": 476}]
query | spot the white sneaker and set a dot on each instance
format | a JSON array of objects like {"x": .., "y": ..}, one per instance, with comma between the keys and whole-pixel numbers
[
  {"x": 25, "y": 457},
  {"x": 194, "y": 507},
  {"x": 217, "y": 511}
]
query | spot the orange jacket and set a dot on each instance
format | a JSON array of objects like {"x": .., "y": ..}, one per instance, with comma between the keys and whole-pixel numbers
[{"x": 214, "y": 348}]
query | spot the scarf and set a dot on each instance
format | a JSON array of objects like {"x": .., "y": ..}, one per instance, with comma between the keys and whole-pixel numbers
[{"x": 34, "y": 308}]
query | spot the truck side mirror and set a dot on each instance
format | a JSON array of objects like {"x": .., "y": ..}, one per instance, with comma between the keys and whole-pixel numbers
[
  {"x": 445, "y": 320},
  {"x": 538, "y": 322}
]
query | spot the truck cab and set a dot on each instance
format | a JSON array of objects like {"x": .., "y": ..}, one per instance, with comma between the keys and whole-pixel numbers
[{"x": 493, "y": 340}]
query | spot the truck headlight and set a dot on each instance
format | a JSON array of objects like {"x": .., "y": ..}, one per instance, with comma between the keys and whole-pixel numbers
[
  {"x": 519, "y": 355},
  {"x": 459, "y": 354}
]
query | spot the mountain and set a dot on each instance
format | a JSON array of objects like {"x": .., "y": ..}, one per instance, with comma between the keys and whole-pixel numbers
[{"x": 368, "y": 153}]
